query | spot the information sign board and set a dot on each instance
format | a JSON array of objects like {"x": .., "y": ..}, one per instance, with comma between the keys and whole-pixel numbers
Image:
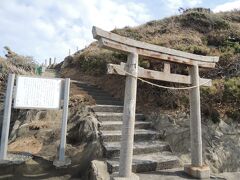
[{"x": 38, "y": 93}]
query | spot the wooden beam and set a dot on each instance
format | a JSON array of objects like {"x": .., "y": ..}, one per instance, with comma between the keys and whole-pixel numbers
[
  {"x": 99, "y": 33},
  {"x": 109, "y": 44},
  {"x": 156, "y": 75}
]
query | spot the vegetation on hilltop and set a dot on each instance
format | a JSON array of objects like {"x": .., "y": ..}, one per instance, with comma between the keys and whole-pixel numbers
[
  {"x": 14, "y": 63},
  {"x": 204, "y": 33}
]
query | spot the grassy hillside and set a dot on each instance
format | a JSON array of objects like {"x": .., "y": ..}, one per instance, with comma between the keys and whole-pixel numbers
[
  {"x": 195, "y": 32},
  {"x": 13, "y": 63}
]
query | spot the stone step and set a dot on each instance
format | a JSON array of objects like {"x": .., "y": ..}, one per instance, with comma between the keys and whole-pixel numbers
[
  {"x": 100, "y": 93},
  {"x": 92, "y": 90},
  {"x": 112, "y": 149},
  {"x": 78, "y": 83},
  {"x": 139, "y": 135},
  {"x": 147, "y": 162},
  {"x": 117, "y": 125},
  {"x": 108, "y": 98},
  {"x": 84, "y": 85},
  {"x": 109, "y": 102},
  {"x": 107, "y": 108},
  {"x": 111, "y": 116}
]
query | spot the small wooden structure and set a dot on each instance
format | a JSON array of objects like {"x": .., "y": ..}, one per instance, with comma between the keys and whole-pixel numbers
[{"x": 134, "y": 49}]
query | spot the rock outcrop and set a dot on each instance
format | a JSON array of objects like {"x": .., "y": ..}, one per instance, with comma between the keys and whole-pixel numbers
[{"x": 221, "y": 142}]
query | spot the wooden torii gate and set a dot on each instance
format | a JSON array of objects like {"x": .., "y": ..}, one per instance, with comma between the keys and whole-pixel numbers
[{"x": 134, "y": 49}]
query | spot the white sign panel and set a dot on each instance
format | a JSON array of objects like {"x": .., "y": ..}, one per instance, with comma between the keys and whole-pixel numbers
[{"x": 38, "y": 93}]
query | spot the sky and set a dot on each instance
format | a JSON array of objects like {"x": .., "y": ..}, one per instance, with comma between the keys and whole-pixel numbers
[{"x": 49, "y": 28}]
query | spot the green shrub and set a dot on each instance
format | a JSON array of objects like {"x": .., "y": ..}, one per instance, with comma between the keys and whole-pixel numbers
[
  {"x": 120, "y": 57},
  {"x": 215, "y": 116},
  {"x": 212, "y": 94},
  {"x": 234, "y": 46},
  {"x": 217, "y": 38},
  {"x": 203, "y": 22},
  {"x": 234, "y": 114},
  {"x": 195, "y": 49},
  {"x": 143, "y": 63},
  {"x": 201, "y": 50},
  {"x": 152, "y": 23},
  {"x": 232, "y": 90},
  {"x": 130, "y": 33},
  {"x": 211, "y": 113},
  {"x": 93, "y": 66},
  {"x": 225, "y": 58}
]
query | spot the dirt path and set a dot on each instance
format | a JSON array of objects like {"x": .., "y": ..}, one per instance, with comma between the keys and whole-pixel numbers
[{"x": 50, "y": 73}]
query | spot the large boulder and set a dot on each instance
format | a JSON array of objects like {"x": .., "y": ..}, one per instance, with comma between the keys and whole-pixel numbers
[{"x": 67, "y": 62}]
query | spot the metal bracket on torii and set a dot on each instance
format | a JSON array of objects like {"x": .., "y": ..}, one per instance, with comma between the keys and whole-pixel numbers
[{"x": 134, "y": 49}]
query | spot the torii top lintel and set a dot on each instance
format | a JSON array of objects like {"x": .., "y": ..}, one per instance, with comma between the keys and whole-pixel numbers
[{"x": 116, "y": 42}]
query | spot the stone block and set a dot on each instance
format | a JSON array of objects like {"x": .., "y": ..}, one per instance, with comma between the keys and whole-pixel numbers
[
  {"x": 62, "y": 164},
  {"x": 98, "y": 171},
  {"x": 202, "y": 172}
]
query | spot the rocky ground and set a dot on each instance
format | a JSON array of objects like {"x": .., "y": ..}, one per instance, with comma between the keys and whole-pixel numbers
[
  {"x": 178, "y": 174},
  {"x": 221, "y": 142}
]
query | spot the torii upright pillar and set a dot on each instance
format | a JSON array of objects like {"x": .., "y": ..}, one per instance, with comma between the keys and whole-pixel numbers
[
  {"x": 126, "y": 151},
  {"x": 196, "y": 169}
]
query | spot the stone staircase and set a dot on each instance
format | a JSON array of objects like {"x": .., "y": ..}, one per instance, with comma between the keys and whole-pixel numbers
[{"x": 150, "y": 153}]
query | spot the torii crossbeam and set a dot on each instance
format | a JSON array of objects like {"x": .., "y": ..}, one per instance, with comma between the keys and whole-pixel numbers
[{"x": 134, "y": 49}]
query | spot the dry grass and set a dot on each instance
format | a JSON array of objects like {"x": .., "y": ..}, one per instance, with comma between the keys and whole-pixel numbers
[
  {"x": 196, "y": 32},
  {"x": 14, "y": 63}
]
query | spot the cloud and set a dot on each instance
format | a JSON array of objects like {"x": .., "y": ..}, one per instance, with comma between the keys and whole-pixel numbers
[
  {"x": 173, "y": 5},
  {"x": 227, "y": 6},
  {"x": 50, "y": 28}
]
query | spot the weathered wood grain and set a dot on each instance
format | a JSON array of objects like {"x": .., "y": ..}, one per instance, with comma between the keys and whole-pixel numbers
[
  {"x": 112, "y": 45},
  {"x": 156, "y": 75},
  {"x": 195, "y": 119},
  {"x": 99, "y": 33},
  {"x": 126, "y": 151}
]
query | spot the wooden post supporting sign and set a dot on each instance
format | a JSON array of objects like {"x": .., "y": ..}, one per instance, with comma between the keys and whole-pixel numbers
[
  {"x": 62, "y": 160},
  {"x": 6, "y": 117}
]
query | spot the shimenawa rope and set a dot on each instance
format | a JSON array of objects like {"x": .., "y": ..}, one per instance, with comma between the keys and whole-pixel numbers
[{"x": 160, "y": 86}]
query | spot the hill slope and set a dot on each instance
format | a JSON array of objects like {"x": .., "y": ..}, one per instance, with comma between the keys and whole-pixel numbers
[{"x": 196, "y": 32}]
